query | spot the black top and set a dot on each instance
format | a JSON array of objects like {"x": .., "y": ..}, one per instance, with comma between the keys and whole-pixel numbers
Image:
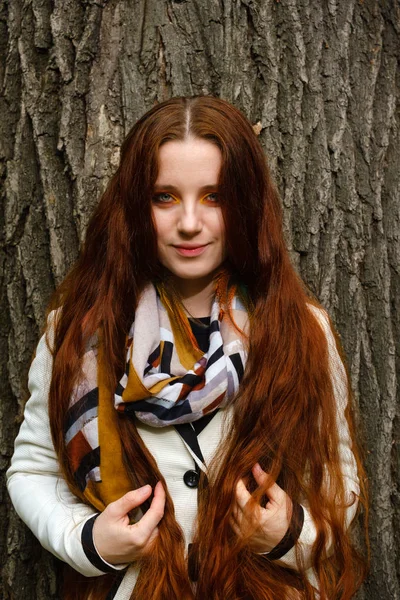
[{"x": 202, "y": 335}]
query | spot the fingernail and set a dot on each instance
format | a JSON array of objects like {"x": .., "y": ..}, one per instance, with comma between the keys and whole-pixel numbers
[
  {"x": 144, "y": 489},
  {"x": 257, "y": 468}
]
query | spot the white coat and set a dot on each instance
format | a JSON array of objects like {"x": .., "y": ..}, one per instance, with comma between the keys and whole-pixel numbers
[{"x": 42, "y": 498}]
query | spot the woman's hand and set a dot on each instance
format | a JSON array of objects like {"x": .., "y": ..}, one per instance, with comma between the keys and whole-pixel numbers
[
  {"x": 119, "y": 542},
  {"x": 273, "y": 520}
]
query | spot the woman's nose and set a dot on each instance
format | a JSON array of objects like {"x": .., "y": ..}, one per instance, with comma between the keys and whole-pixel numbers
[{"x": 190, "y": 222}]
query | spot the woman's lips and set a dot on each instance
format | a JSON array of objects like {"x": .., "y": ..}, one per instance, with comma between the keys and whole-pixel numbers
[{"x": 190, "y": 250}]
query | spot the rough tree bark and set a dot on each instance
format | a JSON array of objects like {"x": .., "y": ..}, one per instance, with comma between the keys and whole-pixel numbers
[{"x": 321, "y": 80}]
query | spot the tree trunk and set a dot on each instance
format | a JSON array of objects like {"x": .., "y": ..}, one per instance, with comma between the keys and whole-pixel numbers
[{"x": 320, "y": 79}]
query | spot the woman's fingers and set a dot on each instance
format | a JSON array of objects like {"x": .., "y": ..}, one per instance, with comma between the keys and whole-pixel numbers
[
  {"x": 259, "y": 475},
  {"x": 273, "y": 491},
  {"x": 154, "y": 514},
  {"x": 119, "y": 542},
  {"x": 121, "y": 507},
  {"x": 237, "y": 515},
  {"x": 236, "y": 528},
  {"x": 264, "y": 527},
  {"x": 276, "y": 495},
  {"x": 242, "y": 494}
]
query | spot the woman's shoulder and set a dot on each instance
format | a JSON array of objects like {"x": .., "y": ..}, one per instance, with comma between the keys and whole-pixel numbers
[
  {"x": 336, "y": 355},
  {"x": 335, "y": 350},
  {"x": 323, "y": 319},
  {"x": 52, "y": 320},
  {"x": 320, "y": 313}
]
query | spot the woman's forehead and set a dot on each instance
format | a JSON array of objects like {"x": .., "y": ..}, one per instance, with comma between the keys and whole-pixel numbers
[{"x": 193, "y": 160}]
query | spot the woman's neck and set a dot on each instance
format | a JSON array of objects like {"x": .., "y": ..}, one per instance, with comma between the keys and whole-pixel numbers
[{"x": 197, "y": 295}]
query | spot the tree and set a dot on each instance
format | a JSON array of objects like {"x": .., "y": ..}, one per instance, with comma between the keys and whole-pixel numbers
[{"x": 319, "y": 80}]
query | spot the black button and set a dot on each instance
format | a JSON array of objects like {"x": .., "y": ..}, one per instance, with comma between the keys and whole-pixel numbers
[{"x": 191, "y": 478}]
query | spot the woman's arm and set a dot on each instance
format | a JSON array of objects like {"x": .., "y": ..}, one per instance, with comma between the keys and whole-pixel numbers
[
  {"x": 308, "y": 531},
  {"x": 40, "y": 495},
  {"x": 70, "y": 529},
  {"x": 348, "y": 463}
]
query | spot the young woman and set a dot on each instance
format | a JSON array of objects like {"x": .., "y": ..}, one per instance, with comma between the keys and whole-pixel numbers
[{"x": 189, "y": 431}]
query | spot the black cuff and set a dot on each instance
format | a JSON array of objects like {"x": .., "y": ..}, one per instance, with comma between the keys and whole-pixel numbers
[
  {"x": 291, "y": 536},
  {"x": 90, "y": 549}
]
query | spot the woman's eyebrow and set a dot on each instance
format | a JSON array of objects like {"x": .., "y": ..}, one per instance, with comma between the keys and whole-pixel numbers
[{"x": 172, "y": 188}]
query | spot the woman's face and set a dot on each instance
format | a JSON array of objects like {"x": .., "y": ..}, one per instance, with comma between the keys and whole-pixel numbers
[{"x": 186, "y": 210}]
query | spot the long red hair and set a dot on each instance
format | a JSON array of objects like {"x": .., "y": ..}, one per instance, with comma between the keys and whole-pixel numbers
[{"x": 285, "y": 414}]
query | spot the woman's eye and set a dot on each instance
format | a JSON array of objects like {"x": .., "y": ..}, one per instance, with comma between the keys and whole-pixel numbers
[
  {"x": 213, "y": 197},
  {"x": 163, "y": 197}
]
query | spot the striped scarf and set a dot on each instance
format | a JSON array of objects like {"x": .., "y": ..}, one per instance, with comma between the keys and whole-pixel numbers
[{"x": 168, "y": 380}]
